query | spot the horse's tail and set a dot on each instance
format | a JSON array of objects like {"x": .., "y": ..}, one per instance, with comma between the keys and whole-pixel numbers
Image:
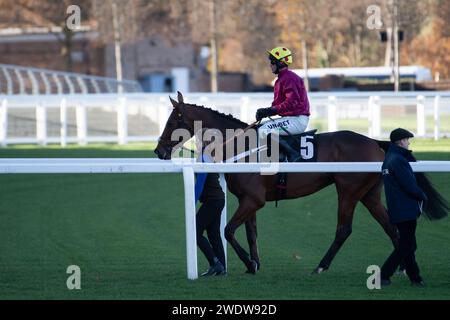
[
  {"x": 437, "y": 207},
  {"x": 383, "y": 145}
]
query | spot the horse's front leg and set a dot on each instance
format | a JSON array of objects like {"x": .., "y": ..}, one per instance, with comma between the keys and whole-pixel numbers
[
  {"x": 252, "y": 234},
  {"x": 246, "y": 211}
]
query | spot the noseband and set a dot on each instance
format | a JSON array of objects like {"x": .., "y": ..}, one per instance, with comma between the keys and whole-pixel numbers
[{"x": 180, "y": 124}]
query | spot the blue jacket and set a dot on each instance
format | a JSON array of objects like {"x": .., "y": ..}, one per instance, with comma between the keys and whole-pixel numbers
[
  {"x": 200, "y": 179},
  {"x": 207, "y": 185},
  {"x": 403, "y": 196}
]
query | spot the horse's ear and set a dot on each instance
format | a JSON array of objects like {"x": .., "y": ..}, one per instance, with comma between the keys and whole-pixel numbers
[
  {"x": 180, "y": 97},
  {"x": 174, "y": 103}
]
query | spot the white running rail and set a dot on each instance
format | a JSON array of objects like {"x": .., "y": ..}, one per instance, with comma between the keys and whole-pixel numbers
[
  {"x": 85, "y": 118},
  {"x": 188, "y": 167}
]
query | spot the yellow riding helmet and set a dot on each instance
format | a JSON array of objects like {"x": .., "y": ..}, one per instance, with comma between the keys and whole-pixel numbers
[{"x": 282, "y": 54}]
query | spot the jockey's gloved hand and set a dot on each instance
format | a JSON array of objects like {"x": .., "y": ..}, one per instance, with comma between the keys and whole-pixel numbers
[{"x": 265, "y": 112}]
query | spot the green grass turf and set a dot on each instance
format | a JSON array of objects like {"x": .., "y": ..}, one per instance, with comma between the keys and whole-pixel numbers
[{"x": 127, "y": 234}]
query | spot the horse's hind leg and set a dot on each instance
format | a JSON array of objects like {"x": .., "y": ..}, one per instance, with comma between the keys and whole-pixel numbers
[
  {"x": 346, "y": 209},
  {"x": 372, "y": 201},
  {"x": 252, "y": 234},
  {"x": 246, "y": 210}
]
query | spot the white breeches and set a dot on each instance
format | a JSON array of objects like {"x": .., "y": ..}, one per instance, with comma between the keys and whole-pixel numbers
[{"x": 294, "y": 125}]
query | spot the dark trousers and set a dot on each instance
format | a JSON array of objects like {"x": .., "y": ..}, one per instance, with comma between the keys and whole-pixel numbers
[
  {"x": 404, "y": 252},
  {"x": 208, "y": 218}
]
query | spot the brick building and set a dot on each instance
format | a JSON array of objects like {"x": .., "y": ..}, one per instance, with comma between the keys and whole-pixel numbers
[
  {"x": 158, "y": 65},
  {"x": 42, "y": 48}
]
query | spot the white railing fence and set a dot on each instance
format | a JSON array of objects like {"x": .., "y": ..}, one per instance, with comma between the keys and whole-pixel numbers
[
  {"x": 22, "y": 80},
  {"x": 85, "y": 118},
  {"x": 188, "y": 168}
]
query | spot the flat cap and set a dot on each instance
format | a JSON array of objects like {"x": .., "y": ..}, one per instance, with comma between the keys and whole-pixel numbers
[{"x": 399, "y": 134}]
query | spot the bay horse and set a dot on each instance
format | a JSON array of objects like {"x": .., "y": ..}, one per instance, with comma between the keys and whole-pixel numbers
[{"x": 253, "y": 190}]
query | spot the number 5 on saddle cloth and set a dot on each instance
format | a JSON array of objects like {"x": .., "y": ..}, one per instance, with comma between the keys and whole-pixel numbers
[
  {"x": 293, "y": 148},
  {"x": 297, "y": 147}
]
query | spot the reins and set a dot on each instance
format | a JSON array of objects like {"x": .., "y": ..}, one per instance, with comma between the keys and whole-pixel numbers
[
  {"x": 240, "y": 133},
  {"x": 227, "y": 141}
]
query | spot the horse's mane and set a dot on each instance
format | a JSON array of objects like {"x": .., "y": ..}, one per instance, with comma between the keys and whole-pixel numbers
[{"x": 220, "y": 114}]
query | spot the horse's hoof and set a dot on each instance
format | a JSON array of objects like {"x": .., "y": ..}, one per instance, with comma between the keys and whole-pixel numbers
[
  {"x": 318, "y": 270},
  {"x": 253, "y": 267}
]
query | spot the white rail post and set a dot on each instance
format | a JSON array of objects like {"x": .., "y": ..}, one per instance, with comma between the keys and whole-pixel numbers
[
  {"x": 375, "y": 117},
  {"x": 47, "y": 86},
  {"x": 69, "y": 84},
  {"x": 63, "y": 120},
  {"x": 191, "y": 233},
  {"x": 332, "y": 114},
  {"x": 41, "y": 124},
  {"x": 436, "y": 117},
  {"x": 59, "y": 86},
  {"x": 34, "y": 83},
  {"x": 122, "y": 121},
  {"x": 9, "y": 83},
  {"x": 94, "y": 83},
  {"x": 420, "y": 116},
  {"x": 223, "y": 217},
  {"x": 4, "y": 122},
  {"x": 20, "y": 80},
  {"x": 81, "y": 118},
  {"x": 82, "y": 85}
]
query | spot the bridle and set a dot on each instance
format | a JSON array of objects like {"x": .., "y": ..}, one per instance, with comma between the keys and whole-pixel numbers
[{"x": 167, "y": 144}]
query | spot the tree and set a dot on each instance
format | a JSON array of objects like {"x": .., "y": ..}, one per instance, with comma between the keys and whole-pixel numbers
[
  {"x": 335, "y": 33},
  {"x": 50, "y": 14},
  {"x": 431, "y": 47}
]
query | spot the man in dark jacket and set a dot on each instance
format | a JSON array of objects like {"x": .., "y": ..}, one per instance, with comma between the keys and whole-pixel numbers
[
  {"x": 405, "y": 201},
  {"x": 212, "y": 198}
]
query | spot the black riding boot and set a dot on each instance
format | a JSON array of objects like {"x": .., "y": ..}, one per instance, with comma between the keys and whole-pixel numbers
[{"x": 291, "y": 153}]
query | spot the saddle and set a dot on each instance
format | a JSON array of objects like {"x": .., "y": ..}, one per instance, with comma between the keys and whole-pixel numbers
[{"x": 294, "y": 148}]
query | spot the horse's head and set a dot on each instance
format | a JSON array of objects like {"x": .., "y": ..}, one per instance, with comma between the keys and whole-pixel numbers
[
  {"x": 187, "y": 119},
  {"x": 177, "y": 120}
]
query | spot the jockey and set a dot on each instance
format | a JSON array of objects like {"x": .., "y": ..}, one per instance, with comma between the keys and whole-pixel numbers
[{"x": 290, "y": 101}]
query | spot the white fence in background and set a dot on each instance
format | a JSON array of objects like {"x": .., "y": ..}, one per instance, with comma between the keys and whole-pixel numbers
[
  {"x": 85, "y": 118},
  {"x": 188, "y": 168},
  {"x": 27, "y": 80}
]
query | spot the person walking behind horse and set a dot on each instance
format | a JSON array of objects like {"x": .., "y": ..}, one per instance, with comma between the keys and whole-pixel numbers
[
  {"x": 212, "y": 198},
  {"x": 290, "y": 101},
  {"x": 405, "y": 201}
]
